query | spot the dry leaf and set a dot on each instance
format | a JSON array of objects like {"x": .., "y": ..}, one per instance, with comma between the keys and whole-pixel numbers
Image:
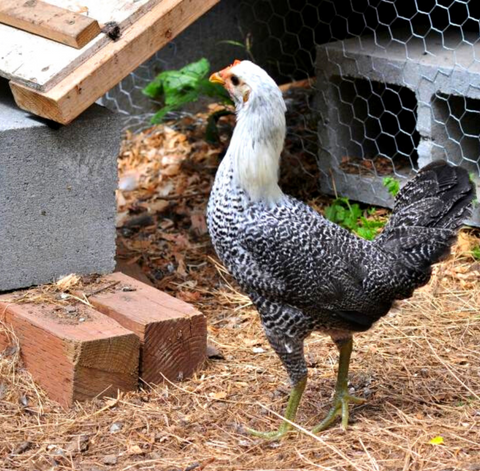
[
  {"x": 158, "y": 206},
  {"x": 121, "y": 218},
  {"x": 129, "y": 181},
  {"x": 199, "y": 223},
  {"x": 190, "y": 296},
  {"x": 121, "y": 201},
  {"x": 219, "y": 395},
  {"x": 171, "y": 170},
  {"x": 135, "y": 450}
]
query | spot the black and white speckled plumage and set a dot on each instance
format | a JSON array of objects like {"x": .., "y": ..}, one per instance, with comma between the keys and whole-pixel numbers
[{"x": 304, "y": 273}]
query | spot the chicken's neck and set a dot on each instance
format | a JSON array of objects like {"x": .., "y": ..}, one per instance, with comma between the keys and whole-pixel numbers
[{"x": 254, "y": 152}]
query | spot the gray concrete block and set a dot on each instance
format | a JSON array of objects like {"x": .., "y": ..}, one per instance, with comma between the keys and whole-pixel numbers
[
  {"x": 367, "y": 189},
  {"x": 441, "y": 72},
  {"x": 57, "y": 195}
]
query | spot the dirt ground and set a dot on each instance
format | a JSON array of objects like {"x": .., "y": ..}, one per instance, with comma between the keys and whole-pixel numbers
[{"x": 418, "y": 368}]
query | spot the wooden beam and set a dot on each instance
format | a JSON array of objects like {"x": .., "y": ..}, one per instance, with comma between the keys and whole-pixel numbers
[
  {"x": 52, "y": 22},
  {"x": 72, "y": 359},
  {"x": 74, "y": 94},
  {"x": 173, "y": 333},
  {"x": 23, "y": 54}
]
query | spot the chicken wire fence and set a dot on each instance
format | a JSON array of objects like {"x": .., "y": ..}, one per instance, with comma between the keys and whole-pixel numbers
[{"x": 389, "y": 85}]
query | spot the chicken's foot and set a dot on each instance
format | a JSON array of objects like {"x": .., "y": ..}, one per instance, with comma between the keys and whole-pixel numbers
[
  {"x": 341, "y": 398},
  {"x": 290, "y": 413}
]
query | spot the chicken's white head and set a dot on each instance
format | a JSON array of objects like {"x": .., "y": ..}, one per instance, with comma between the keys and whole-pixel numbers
[
  {"x": 260, "y": 132},
  {"x": 249, "y": 85}
]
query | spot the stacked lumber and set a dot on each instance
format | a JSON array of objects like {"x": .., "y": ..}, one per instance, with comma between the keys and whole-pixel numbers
[
  {"x": 56, "y": 81},
  {"x": 129, "y": 331}
]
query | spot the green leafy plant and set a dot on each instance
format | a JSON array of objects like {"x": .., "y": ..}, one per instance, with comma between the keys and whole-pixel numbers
[
  {"x": 352, "y": 217},
  {"x": 392, "y": 185},
  {"x": 180, "y": 87},
  {"x": 476, "y": 252}
]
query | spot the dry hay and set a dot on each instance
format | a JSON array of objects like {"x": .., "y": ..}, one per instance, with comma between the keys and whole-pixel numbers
[{"x": 419, "y": 367}]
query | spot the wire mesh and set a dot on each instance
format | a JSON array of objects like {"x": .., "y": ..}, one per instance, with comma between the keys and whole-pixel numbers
[{"x": 396, "y": 83}]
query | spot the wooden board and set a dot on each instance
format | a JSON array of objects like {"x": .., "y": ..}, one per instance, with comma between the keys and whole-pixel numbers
[
  {"x": 173, "y": 333},
  {"x": 41, "y": 63},
  {"x": 49, "y": 21},
  {"x": 73, "y": 360},
  {"x": 74, "y": 94}
]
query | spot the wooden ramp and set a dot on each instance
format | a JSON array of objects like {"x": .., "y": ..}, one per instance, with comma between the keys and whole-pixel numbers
[{"x": 58, "y": 81}]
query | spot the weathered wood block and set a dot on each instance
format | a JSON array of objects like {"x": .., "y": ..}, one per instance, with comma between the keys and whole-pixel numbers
[
  {"x": 49, "y": 21},
  {"x": 72, "y": 359},
  {"x": 173, "y": 334}
]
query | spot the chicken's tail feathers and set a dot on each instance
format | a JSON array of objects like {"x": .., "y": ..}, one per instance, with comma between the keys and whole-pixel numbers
[{"x": 427, "y": 214}]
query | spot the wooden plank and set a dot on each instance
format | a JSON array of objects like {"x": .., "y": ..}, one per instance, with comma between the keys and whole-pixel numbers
[
  {"x": 49, "y": 21},
  {"x": 173, "y": 333},
  {"x": 73, "y": 360},
  {"x": 95, "y": 77},
  {"x": 41, "y": 63},
  {"x": 133, "y": 270}
]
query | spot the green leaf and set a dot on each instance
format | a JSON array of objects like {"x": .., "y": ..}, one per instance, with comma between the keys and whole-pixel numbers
[
  {"x": 198, "y": 69},
  {"x": 173, "y": 103},
  {"x": 158, "y": 117},
  {"x": 233, "y": 43},
  {"x": 350, "y": 222},
  {"x": 356, "y": 211},
  {"x": 154, "y": 88},
  {"x": 392, "y": 185},
  {"x": 214, "y": 90},
  {"x": 476, "y": 252},
  {"x": 187, "y": 85},
  {"x": 177, "y": 81},
  {"x": 366, "y": 233},
  {"x": 350, "y": 216},
  {"x": 179, "y": 99},
  {"x": 211, "y": 133},
  {"x": 331, "y": 213}
]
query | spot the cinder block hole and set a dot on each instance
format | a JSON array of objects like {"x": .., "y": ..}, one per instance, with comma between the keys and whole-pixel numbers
[
  {"x": 376, "y": 126},
  {"x": 456, "y": 121}
]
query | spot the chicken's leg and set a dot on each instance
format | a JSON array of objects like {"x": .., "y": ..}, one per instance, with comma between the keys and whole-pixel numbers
[
  {"x": 290, "y": 351},
  {"x": 290, "y": 413},
  {"x": 341, "y": 398}
]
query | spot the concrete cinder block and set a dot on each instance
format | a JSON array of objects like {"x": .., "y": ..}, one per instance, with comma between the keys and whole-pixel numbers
[
  {"x": 57, "y": 195},
  {"x": 440, "y": 72}
]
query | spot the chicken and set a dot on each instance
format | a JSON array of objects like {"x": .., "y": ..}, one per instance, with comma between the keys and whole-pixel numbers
[{"x": 302, "y": 272}]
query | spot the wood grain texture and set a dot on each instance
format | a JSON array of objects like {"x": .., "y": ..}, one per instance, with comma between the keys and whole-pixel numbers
[
  {"x": 73, "y": 360},
  {"x": 173, "y": 334},
  {"x": 133, "y": 270},
  {"x": 40, "y": 63},
  {"x": 49, "y": 21},
  {"x": 74, "y": 94}
]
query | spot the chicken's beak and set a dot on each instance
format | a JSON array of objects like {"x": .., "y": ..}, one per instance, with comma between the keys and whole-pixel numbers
[{"x": 217, "y": 78}]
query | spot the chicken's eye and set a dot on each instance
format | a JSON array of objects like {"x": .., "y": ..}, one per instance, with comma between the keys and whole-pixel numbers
[{"x": 235, "y": 80}]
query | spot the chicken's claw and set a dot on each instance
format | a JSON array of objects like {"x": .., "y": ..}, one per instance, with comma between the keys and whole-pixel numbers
[
  {"x": 290, "y": 414},
  {"x": 339, "y": 408},
  {"x": 275, "y": 435}
]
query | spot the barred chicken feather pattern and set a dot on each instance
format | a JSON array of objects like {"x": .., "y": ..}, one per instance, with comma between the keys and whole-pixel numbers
[{"x": 303, "y": 272}]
